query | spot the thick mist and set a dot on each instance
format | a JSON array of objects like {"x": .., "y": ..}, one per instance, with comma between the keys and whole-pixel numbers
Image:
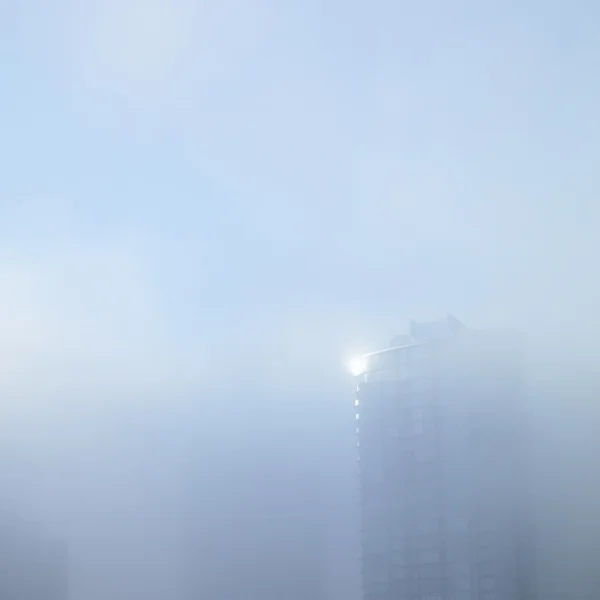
[{"x": 209, "y": 208}]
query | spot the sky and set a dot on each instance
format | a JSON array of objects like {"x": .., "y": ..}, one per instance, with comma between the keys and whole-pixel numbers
[{"x": 203, "y": 197}]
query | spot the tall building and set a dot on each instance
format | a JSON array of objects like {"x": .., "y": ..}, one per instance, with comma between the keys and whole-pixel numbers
[
  {"x": 565, "y": 482},
  {"x": 32, "y": 567},
  {"x": 438, "y": 422},
  {"x": 254, "y": 522}
]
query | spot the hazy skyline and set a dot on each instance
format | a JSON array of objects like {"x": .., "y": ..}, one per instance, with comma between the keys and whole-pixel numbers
[{"x": 209, "y": 200}]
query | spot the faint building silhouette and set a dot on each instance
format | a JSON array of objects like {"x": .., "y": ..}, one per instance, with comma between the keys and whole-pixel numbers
[
  {"x": 32, "y": 567},
  {"x": 255, "y": 517},
  {"x": 565, "y": 483},
  {"x": 439, "y": 420}
]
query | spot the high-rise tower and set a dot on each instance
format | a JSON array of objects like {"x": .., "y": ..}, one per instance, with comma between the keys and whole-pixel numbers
[{"x": 438, "y": 422}]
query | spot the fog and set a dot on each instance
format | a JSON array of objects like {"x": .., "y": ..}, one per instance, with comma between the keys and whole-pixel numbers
[{"x": 207, "y": 208}]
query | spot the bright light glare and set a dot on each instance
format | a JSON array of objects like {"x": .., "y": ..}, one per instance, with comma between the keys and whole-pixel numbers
[{"x": 358, "y": 366}]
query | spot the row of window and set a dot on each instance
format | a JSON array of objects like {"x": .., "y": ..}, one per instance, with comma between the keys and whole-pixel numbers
[
  {"x": 376, "y": 580},
  {"x": 399, "y": 520},
  {"x": 406, "y": 419},
  {"x": 396, "y": 382},
  {"x": 382, "y": 593},
  {"x": 410, "y": 481}
]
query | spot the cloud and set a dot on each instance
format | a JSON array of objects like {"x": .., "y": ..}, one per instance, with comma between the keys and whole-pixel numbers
[
  {"x": 149, "y": 51},
  {"x": 82, "y": 315},
  {"x": 133, "y": 43}
]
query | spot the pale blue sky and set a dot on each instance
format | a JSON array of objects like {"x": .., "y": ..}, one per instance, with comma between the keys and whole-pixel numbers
[
  {"x": 195, "y": 189},
  {"x": 337, "y": 156}
]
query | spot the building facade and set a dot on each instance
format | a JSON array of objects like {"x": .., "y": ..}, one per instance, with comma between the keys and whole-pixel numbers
[
  {"x": 255, "y": 516},
  {"x": 32, "y": 567},
  {"x": 438, "y": 424}
]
